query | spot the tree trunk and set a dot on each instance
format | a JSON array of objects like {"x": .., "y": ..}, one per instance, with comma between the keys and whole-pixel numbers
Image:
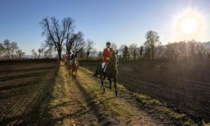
[
  {"x": 153, "y": 53},
  {"x": 59, "y": 53},
  {"x": 87, "y": 55},
  {"x": 39, "y": 56}
]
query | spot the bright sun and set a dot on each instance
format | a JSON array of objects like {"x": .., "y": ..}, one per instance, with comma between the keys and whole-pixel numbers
[{"x": 189, "y": 25}]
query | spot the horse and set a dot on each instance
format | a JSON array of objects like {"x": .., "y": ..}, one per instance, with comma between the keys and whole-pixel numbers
[
  {"x": 73, "y": 66},
  {"x": 110, "y": 73}
]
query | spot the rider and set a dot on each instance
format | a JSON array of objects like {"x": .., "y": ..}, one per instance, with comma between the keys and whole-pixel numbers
[
  {"x": 107, "y": 54},
  {"x": 67, "y": 57},
  {"x": 74, "y": 58}
]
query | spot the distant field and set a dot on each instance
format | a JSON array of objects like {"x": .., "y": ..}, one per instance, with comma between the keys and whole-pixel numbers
[
  {"x": 24, "y": 86},
  {"x": 184, "y": 86}
]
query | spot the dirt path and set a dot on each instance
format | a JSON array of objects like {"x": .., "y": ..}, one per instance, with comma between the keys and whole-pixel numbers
[
  {"x": 68, "y": 105},
  {"x": 116, "y": 111},
  {"x": 81, "y": 102}
]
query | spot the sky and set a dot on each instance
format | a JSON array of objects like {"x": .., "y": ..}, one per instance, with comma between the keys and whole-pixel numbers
[{"x": 118, "y": 21}]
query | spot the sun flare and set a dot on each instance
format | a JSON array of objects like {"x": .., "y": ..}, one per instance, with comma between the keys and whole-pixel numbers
[{"x": 189, "y": 25}]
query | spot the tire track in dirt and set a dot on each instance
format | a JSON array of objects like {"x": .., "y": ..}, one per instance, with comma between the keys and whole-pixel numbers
[
  {"x": 22, "y": 106},
  {"x": 21, "y": 76},
  {"x": 28, "y": 69},
  {"x": 22, "y": 94},
  {"x": 172, "y": 95}
]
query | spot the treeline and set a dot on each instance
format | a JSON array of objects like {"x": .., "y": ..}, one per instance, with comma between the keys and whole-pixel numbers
[
  {"x": 183, "y": 50},
  {"x": 152, "y": 49},
  {"x": 46, "y": 53},
  {"x": 10, "y": 50}
]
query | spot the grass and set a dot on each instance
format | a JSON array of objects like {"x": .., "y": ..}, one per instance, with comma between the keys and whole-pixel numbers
[
  {"x": 177, "y": 118},
  {"x": 106, "y": 104},
  {"x": 59, "y": 97},
  {"x": 148, "y": 103},
  {"x": 67, "y": 106}
]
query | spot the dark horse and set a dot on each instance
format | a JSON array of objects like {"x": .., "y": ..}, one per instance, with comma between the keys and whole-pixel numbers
[{"x": 110, "y": 73}]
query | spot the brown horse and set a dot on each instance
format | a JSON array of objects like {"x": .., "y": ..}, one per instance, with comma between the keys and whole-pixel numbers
[{"x": 73, "y": 66}]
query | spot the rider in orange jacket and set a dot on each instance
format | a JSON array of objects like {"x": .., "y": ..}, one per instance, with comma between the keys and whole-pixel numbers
[{"x": 107, "y": 54}]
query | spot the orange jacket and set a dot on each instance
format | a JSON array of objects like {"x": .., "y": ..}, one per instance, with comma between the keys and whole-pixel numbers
[{"x": 107, "y": 54}]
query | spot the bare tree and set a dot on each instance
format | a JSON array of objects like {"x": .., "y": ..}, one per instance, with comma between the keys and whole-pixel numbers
[
  {"x": 74, "y": 42},
  {"x": 56, "y": 33},
  {"x": 141, "y": 50},
  {"x": 78, "y": 43},
  {"x": 160, "y": 52},
  {"x": 89, "y": 47},
  {"x": 7, "y": 50},
  {"x": 192, "y": 45},
  {"x": 171, "y": 50},
  {"x": 13, "y": 49},
  {"x": 40, "y": 52},
  {"x": 126, "y": 53},
  {"x": 20, "y": 53},
  {"x": 1, "y": 49},
  {"x": 82, "y": 52},
  {"x": 152, "y": 41},
  {"x": 34, "y": 53},
  {"x": 48, "y": 53},
  {"x": 132, "y": 50},
  {"x": 182, "y": 48}
]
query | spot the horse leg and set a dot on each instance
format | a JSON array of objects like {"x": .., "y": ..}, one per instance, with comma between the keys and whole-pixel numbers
[
  {"x": 102, "y": 83},
  {"x": 110, "y": 83},
  {"x": 115, "y": 86},
  {"x": 72, "y": 74},
  {"x": 96, "y": 71},
  {"x": 75, "y": 74},
  {"x": 69, "y": 73}
]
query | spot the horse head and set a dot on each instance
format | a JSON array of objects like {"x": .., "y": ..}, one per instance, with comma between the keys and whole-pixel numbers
[{"x": 114, "y": 59}]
